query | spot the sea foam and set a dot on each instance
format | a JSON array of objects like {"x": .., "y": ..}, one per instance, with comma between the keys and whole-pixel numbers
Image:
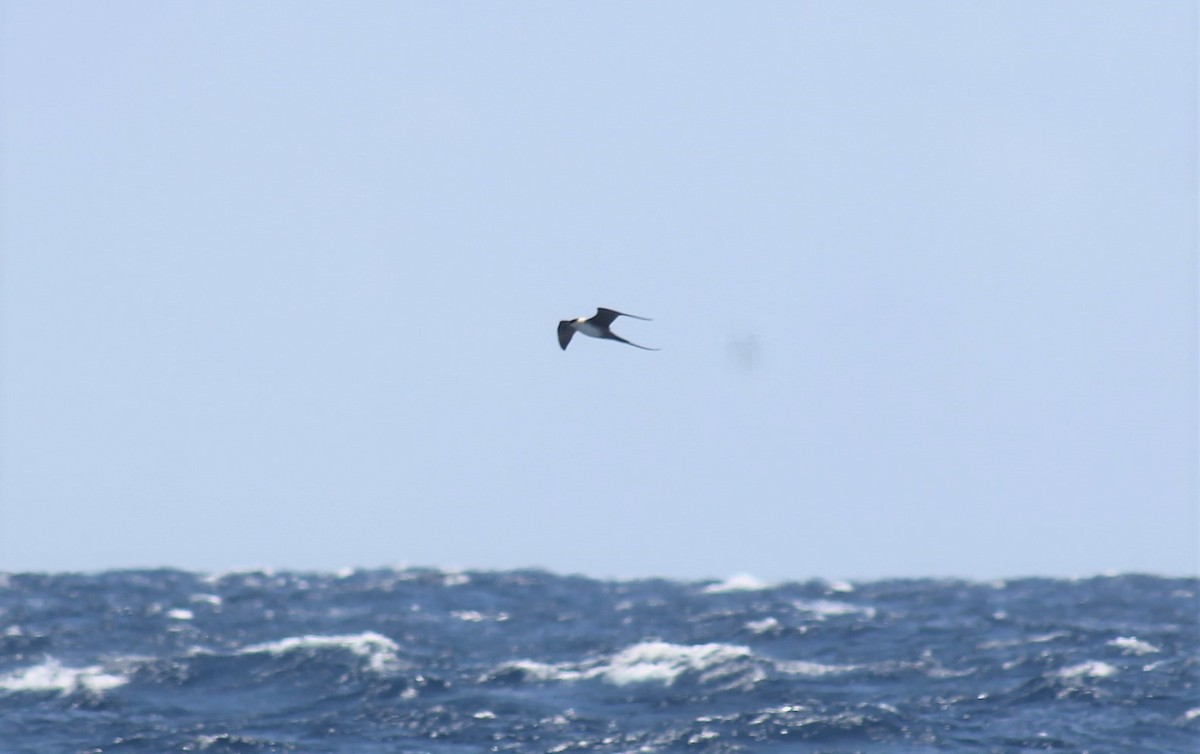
[
  {"x": 52, "y": 676},
  {"x": 742, "y": 582},
  {"x": 1089, "y": 669},
  {"x": 379, "y": 650},
  {"x": 663, "y": 662},
  {"x": 650, "y": 662},
  {"x": 1131, "y": 645},
  {"x": 824, "y": 609}
]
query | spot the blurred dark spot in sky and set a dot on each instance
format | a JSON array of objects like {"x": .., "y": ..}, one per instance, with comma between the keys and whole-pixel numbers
[{"x": 744, "y": 352}]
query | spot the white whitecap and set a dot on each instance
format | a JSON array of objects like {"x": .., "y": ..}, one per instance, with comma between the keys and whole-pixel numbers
[
  {"x": 663, "y": 662},
  {"x": 1036, "y": 639},
  {"x": 1089, "y": 669},
  {"x": 1131, "y": 645},
  {"x": 474, "y": 616},
  {"x": 762, "y": 626},
  {"x": 704, "y": 735},
  {"x": 52, "y": 676},
  {"x": 246, "y": 572},
  {"x": 180, "y": 613},
  {"x": 648, "y": 662},
  {"x": 822, "y": 609},
  {"x": 812, "y": 669},
  {"x": 742, "y": 582},
  {"x": 379, "y": 650},
  {"x": 545, "y": 671}
]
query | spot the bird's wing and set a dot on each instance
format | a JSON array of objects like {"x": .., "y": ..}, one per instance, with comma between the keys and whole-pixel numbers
[
  {"x": 565, "y": 331},
  {"x": 613, "y": 336},
  {"x": 604, "y": 317}
]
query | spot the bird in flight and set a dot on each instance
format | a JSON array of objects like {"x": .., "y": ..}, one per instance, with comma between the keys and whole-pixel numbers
[{"x": 597, "y": 326}]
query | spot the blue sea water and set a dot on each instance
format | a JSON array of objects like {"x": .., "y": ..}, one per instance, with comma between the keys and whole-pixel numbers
[{"x": 420, "y": 660}]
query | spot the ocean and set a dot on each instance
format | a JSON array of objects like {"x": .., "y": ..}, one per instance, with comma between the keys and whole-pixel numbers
[{"x": 424, "y": 660}]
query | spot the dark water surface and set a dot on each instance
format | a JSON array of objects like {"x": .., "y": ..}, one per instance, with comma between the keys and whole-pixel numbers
[{"x": 427, "y": 661}]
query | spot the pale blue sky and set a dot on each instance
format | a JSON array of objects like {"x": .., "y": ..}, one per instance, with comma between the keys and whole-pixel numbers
[{"x": 281, "y": 282}]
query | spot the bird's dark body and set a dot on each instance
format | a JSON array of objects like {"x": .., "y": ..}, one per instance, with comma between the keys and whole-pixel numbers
[{"x": 596, "y": 326}]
